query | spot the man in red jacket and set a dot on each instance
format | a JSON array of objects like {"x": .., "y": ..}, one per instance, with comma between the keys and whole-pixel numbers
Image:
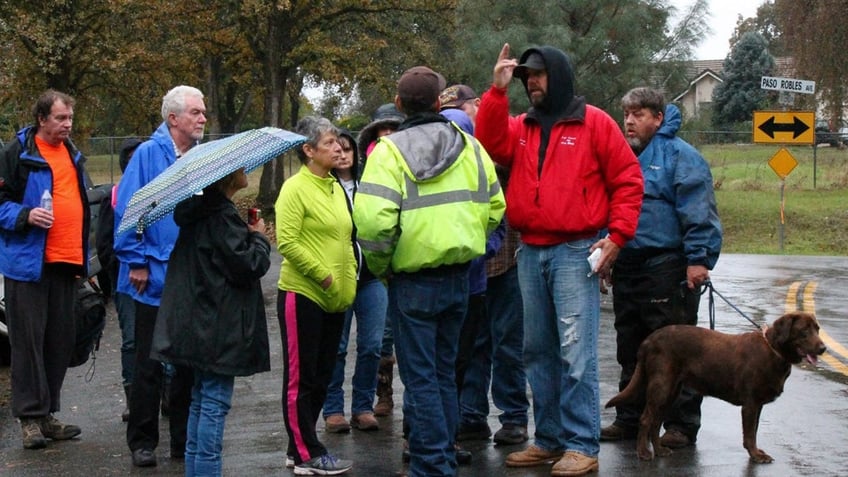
[{"x": 575, "y": 187}]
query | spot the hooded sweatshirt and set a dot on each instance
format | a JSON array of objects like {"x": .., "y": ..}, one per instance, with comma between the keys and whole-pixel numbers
[{"x": 572, "y": 182}]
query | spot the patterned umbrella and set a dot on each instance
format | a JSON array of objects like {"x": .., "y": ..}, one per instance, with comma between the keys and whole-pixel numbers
[{"x": 204, "y": 165}]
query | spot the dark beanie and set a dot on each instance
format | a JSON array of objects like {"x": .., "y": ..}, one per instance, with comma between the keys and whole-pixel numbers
[{"x": 126, "y": 151}]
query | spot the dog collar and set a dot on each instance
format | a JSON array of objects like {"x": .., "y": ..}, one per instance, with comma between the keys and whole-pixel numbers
[{"x": 764, "y": 329}]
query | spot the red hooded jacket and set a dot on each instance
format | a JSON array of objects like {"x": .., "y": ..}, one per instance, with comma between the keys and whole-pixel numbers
[{"x": 590, "y": 179}]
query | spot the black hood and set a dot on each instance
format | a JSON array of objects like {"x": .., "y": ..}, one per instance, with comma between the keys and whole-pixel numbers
[
  {"x": 352, "y": 140},
  {"x": 200, "y": 206},
  {"x": 560, "y": 81}
]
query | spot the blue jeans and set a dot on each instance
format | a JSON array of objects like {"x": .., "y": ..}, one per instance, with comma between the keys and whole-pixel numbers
[
  {"x": 427, "y": 310},
  {"x": 210, "y": 402},
  {"x": 125, "y": 306},
  {"x": 498, "y": 357},
  {"x": 561, "y": 315},
  {"x": 370, "y": 311}
]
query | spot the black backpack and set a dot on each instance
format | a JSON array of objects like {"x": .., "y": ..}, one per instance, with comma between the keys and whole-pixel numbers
[{"x": 89, "y": 319}]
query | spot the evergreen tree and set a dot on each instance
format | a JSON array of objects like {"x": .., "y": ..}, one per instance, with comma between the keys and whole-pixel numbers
[{"x": 740, "y": 94}]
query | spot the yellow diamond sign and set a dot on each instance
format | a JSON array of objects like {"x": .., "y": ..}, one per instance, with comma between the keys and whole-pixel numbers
[{"x": 782, "y": 163}]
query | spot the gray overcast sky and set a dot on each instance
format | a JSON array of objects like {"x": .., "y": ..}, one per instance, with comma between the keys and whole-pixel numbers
[{"x": 722, "y": 22}]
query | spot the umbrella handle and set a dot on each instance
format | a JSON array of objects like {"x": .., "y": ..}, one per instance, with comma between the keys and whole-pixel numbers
[{"x": 139, "y": 227}]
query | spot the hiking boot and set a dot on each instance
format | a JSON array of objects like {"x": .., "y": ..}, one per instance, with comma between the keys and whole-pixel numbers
[
  {"x": 532, "y": 456},
  {"x": 144, "y": 458},
  {"x": 674, "y": 439},
  {"x": 574, "y": 463},
  {"x": 614, "y": 432},
  {"x": 511, "y": 434},
  {"x": 58, "y": 431},
  {"x": 323, "y": 465},
  {"x": 336, "y": 424},
  {"x": 473, "y": 431},
  {"x": 385, "y": 374},
  {"x": 365, "y": 422},
  {"x": 31, "y": 434}
]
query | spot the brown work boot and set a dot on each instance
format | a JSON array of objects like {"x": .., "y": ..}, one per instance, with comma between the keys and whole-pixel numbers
[
  {"x": 614, "y": 432},
  {"x": 385, "y": 373},
  {"x": 336, "y": 424},
  {"x": 58, "y": 431},
  {"x": 532, "y": 456},
  {"x": 365, "y": 422},
  {"x": 31, "y": 433},
  {"x": 574, "y": 463},
  {"x": 674, "y": 439}
]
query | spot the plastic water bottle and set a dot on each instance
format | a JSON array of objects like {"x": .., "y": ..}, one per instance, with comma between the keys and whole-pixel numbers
[{"x": 47, "y": 200}]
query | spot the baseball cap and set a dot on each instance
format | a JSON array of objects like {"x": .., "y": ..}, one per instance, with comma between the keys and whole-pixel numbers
[
  {"x": 421, "y": 85},
  {"x": 455, "y": 96},
  {"x": 533, "y": 61}
]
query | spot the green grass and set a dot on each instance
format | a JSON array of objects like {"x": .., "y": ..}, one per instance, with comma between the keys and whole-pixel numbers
[{"x": 748, "y": 193}]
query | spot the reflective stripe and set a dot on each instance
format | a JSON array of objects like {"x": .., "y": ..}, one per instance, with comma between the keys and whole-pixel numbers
[
  {"x": 374, "y": 246},
  {"x": 381, "y": 191},
  {"x": 415, "y": 201}
]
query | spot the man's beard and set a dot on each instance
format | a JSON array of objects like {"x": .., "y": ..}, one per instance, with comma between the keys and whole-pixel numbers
[
  {"x": 538, "y": 100},
  {"x": 636, "y": 144}
]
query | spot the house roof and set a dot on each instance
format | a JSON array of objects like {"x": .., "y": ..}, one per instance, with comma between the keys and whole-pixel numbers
[{"x": 699, "y": 69}]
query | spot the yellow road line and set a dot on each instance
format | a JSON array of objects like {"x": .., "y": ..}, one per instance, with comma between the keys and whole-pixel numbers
[
  {"x": 834, "y": 363},
  {"x": 809, "y": 304},
  {"x": 791, "y": 300}
]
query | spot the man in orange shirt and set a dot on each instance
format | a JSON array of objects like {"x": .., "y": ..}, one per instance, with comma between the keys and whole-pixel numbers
[{"x": 44, "y": 224}]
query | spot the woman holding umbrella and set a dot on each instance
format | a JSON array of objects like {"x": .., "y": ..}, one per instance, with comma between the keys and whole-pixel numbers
[
  {"x": 212, "y": 317},
  {"x": 317, "y": 284}
]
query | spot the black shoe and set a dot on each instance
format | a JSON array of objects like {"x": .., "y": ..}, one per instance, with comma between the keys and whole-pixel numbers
[
  {"x": 143, "y": 458},
  {"x": 511, "y": 434},
  {"x": 463, "y": 457},
  {"x": 474, "y": 431}
]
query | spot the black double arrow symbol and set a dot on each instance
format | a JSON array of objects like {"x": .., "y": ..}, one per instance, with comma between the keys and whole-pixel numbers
[{"x": 796, "y": 127}]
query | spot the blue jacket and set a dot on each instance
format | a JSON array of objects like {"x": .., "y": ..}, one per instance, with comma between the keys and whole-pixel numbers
[
  {"x": 153, "y": 250},
  {"x": 24, "y": 176},
  {"x": 679, "y": 207}
]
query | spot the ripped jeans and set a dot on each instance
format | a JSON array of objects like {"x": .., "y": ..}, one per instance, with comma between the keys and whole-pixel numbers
[{"x": 561, "y": 315}]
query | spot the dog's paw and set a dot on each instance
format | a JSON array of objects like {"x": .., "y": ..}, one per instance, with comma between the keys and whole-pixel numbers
[
  {"x": 663, "y": 451},
  {"x": 645, "y": 454},
  {"x": 761, "y": 457}
]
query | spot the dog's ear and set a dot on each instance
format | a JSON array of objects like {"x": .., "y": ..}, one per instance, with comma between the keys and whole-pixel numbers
[{"x": 783, "y": 327}]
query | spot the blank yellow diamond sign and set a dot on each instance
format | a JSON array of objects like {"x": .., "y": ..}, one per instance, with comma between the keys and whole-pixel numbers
[{"x": 782, "y": 163}]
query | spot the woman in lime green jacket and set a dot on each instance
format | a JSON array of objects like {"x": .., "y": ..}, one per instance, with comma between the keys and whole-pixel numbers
[{"x": 317, "y": 284}]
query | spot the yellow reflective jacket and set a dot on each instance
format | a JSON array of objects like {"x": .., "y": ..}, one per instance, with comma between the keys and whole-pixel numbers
[{"x": 428, "y": 197}]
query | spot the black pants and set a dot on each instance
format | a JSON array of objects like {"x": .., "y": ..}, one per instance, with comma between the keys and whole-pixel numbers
[
  {"x": 143, "y": 425},
  {"x": 40, "y": 316},
  {"x": 647, "y": 295},
  {"x": 310, "y": 338}
]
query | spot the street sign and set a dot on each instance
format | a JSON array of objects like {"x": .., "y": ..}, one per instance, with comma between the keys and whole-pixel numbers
[
  {"x": 786, "y": 127},
  {"x": 782, "y": 163},
  {"x": 791, "y": 85}
]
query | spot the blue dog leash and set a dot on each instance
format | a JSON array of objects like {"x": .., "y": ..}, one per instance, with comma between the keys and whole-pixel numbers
[{"x": 708, "y": 285}]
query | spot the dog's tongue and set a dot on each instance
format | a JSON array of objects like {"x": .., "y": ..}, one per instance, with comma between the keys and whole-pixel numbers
[{"x": 812, "y": 359}]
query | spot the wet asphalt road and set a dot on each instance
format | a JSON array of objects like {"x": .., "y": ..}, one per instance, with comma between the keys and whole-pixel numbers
[{"x": 804, "y": 429}]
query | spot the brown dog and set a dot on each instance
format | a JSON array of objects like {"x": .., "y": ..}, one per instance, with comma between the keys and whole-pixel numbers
[{"x": 747, "y": 370}]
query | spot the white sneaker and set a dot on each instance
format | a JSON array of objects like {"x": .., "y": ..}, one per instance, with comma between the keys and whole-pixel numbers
[{"x": 323, "y": 465}]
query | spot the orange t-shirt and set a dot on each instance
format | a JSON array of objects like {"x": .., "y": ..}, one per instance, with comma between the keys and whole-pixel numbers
[{"x": 64, "y": 238}]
